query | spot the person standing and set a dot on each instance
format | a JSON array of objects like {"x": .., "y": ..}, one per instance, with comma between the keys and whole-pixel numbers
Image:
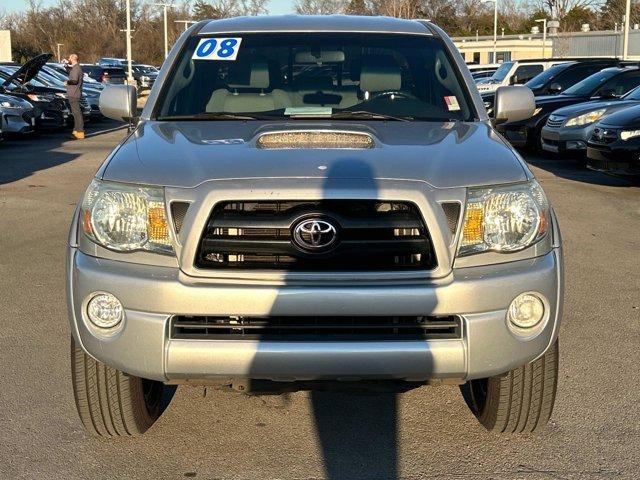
[{"x": 74, "y": 92}]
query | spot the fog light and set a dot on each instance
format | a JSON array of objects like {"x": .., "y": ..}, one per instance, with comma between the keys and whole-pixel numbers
[
  {"x": 105, "y": 311},
  {"x": 526, "y": 310}
]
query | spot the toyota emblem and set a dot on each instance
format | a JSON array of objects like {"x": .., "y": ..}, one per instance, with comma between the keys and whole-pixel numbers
[{"x": 315, "y": 234}]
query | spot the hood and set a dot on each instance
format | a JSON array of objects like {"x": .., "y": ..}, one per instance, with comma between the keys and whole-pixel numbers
[
  {"x": 627, "y": 118},
  {"x": 557, "y": 99},
  {"x": 586, "y": 107},
  {"x": 186, "y": 154},
  {"x": 29, "y": 70}
]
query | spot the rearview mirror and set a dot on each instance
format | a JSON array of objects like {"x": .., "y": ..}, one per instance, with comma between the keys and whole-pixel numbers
[
  {"x": 119, "y": 102},
  {"x": 555, "y": 88},
  {"x": 513, "y": 104}
]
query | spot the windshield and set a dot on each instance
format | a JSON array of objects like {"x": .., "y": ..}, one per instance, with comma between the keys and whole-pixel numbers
[
  {"x": 590, "y": 84},
  {"x": 501, "y": 73},
  {"x": 318, "y": 75},
  {"x": 545, "y": 77}
]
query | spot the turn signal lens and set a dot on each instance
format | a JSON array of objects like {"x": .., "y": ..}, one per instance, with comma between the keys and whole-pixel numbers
[
  {"x": 473, "y": 224},
  {"x": 157, "y": 226}
]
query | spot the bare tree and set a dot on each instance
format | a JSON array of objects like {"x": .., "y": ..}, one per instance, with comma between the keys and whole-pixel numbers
[{"x": 320, "y": 7}]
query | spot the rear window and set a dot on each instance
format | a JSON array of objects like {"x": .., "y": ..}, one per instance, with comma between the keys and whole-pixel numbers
[{"x": 291, "y": 75}]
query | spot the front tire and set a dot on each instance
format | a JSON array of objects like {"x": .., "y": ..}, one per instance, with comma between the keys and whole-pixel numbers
[
  {"x": 520, "y": 400},
  {"x": 111, "y": 403}
]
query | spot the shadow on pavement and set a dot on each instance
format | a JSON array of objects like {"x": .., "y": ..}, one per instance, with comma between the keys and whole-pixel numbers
[
  {"x": 574, "y": 169},
  {"x": 21, "y": 157}
]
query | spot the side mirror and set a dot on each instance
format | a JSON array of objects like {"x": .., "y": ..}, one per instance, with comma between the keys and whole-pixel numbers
[
  {"x": 119, "y": 102},
  {"x": 513, "y": 80},
  {"x": 513, "y": 104},
  {"x": 555, "y": 88}
]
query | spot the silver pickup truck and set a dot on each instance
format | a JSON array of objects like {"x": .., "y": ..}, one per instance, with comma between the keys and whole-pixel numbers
[{"x": 314, "y": 200}]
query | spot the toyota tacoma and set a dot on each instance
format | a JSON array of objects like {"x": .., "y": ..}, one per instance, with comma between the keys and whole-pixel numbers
[{"x": 314, "y": 201}]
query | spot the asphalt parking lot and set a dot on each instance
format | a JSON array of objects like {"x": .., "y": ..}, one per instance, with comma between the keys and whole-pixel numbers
[{"x": 425, "y": 433}]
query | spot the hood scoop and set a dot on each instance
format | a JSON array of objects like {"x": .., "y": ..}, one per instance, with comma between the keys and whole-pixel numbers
[{"x": 310, "y": 139}]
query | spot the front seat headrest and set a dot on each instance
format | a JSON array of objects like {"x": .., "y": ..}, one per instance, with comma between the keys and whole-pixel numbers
[{"x": 249, "y": 75}]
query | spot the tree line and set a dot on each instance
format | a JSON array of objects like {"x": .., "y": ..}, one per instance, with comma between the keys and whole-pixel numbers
[{"x": 94, "y": 28}]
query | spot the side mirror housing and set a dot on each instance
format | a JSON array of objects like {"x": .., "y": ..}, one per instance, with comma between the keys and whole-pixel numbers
[
  {"x": 609, "y": 93},
  {"x": 513, "y": 80},
  {"x": 513, "y": 104},
  {"x": 555, "y": 88},
  {"x": 119, "y": 102}
]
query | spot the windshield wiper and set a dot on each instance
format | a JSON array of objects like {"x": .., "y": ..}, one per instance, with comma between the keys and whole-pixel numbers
[
  {"x": 214, "y": 116},
  {"x": 346, "y": 114}
]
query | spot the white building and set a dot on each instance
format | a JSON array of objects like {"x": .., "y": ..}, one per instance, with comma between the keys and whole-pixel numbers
[{"x": 5, "y": 46}]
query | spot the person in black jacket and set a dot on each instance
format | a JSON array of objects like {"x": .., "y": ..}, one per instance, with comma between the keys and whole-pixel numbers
[{"x": 74, "y": 92}]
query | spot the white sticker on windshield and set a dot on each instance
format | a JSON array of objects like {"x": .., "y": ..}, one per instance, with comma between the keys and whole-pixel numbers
[
  {"x": 452, "y": 103},
  {"x": 217, "y": 49}
]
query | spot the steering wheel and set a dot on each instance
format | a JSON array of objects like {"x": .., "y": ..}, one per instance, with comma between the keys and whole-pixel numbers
[{"x": 394, "y": 94}]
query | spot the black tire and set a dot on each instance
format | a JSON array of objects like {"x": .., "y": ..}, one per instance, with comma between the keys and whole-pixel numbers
[
  {"x": 111, "y": 403},
  {"x": 520, "y": 400}
]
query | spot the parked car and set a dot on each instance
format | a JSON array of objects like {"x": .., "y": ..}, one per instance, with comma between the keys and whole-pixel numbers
[
  {"x": 105, "y": 74},
  {"x": 294, "y": 207},
  {"x": 112, "y": 62},
  {"x": 89, "y": 92},
  {"x": 561, "y": 76},
  {"x": 17, "y": 115},
  {"x": 49, "y": 81},
  {"x": 607, "y": 84},
  {"x": 144, "y": 75},
  {"x": 49, "y": 101},
  {"x": 614, "y": 146},
  {"x": 568, "y": 129},
  {"x": 517, "y": 72}
]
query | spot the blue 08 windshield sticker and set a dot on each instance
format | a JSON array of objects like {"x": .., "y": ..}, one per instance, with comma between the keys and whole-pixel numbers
[{"x": 217, "y": 49}]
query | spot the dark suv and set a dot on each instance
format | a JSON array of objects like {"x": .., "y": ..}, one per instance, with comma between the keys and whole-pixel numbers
[{"x": 105, "y": 74}]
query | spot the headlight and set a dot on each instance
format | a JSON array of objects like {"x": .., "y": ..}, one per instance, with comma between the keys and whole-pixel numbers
[
  {"x": 627, "y": 134},
  {"x": 61, "y": 95},
  {"x": 537, "y": 111},
  {"x": 39, "y": 98},
  {"x": 586, "y": 118},
  {"x": 504, "y": 219},
  {"x": 10, "y": 104},
  {"x": 144, "y": 77},
  {"x": 126, "y": 217}
]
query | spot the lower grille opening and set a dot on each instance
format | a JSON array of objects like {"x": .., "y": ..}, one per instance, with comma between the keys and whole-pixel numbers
[{"x": 316, "y": 328}]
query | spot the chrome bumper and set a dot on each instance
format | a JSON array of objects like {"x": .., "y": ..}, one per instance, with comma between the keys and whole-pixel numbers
[{"x": 152, "y": 295}]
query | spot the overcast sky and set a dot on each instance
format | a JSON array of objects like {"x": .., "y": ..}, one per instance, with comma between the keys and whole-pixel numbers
[{"x": 275, "y": 6}]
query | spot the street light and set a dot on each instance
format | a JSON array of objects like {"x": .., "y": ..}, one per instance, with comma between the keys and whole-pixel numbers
[
  {"x": 186, "y": 23},
  {"x": 128, "y": 30},
  {"x": 59, "y": 57},
  {"x": 166, "y": 40},
  {"x": 495, "y": 27},
  {"x": 627, "y": 21},
  {"x": 544, "y": 35}
]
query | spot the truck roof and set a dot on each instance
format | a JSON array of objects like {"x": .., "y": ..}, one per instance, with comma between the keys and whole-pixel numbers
[{"x": 315, "y": 23}]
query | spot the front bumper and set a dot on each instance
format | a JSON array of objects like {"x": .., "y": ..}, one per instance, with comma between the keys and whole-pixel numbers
[
  {"x": 566, "y": 140},
  {"x": 151, "y": 295},
  {"x": 615, "y": 158},
  {"x": 17, "y": 121}
]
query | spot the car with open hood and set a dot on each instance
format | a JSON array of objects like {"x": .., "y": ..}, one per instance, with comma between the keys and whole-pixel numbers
[
  {"x": 614, "y": 146},
  {"x": 608, "y": 84},
  {"x": 569, "y": 128},
  {"x": 50, "y": 102},
  {"x": 311, "y": 199}
]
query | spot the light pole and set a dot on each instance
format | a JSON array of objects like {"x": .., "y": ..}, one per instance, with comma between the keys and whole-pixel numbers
[
  {"x": 627, "y": 18},
  {"x": 166, "y": 39},
  {"x": 129, "y": 69},
  {"x": 186, "y": 23},
  {"x": 544, "y": 35},
  {"x": 59, "y": 57},
  {"x": 495, "y": 27}
]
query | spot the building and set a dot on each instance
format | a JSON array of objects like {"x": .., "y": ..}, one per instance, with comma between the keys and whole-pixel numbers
[
  {"x": 607, "y": 43},
  {"x": 5, "y": 46}
]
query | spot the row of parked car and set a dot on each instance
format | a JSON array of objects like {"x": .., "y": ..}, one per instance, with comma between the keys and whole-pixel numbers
[
  {"x": 33, "y": 96},
  {"x": 586, "y": 109}
]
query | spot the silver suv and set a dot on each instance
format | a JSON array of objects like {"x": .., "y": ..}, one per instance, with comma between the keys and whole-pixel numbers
[{"x": 307, "y": 201}]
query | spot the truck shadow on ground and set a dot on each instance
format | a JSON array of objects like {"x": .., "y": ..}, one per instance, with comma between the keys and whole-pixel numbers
[{"x": 21, "y": 157}]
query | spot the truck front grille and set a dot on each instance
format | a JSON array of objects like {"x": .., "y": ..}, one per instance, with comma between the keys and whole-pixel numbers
[
  {"x": 316, "y": 328},
  {"x": 367, "y": 235}
]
